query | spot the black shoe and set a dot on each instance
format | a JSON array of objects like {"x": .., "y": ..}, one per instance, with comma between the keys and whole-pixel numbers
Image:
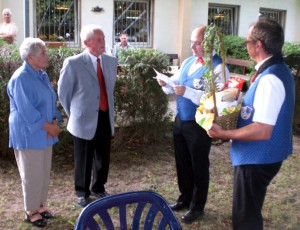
[
  {"x": 191, "y": 216},
  {"x": 47, "y": 215},
  {"x": 82, "y": 201},
  {"x": 40, "y": 223},
  {"x": 99, "y": 195},
  {"x": 179, "y": 205}
]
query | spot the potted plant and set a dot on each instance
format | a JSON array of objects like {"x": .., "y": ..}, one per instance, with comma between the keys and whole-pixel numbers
[{"x": 55, "y": 41}]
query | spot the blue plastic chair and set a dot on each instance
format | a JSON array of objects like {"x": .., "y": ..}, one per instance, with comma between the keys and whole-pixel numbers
[{"x": 148, "y": 210}]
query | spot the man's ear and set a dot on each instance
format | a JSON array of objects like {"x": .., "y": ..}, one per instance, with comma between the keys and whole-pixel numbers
[
  {"x": 259, "y": 44},
  {"x": 86, "y": 43}
]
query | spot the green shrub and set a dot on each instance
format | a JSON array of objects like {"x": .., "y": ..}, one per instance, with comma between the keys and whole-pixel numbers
[
  {"x": 235, "y": 48},
  {"x": 56, "y": 59},
  {"x": 9, "y": 62},
  {"x": 55, "y": 63},
  {"x": 291, "y": 53},
  {"x": 141, "y": 106}
]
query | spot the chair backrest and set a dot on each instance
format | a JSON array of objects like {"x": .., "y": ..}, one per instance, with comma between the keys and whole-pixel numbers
[{"x": 144, "y": 209}]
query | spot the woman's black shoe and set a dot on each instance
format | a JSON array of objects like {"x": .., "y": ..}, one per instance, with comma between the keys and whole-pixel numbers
[{"x": 37, "y": 223}]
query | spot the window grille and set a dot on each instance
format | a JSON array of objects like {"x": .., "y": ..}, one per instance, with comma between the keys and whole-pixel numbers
[
  {"x": 133, "y": 19},
  {"x": 57, "y": 20},
  {"x": 225, "y": 17},
  {"x": 277, "y": 15}
]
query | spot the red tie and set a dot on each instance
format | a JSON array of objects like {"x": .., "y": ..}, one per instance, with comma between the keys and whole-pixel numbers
[
  {"x": 200, "y": 59},
  {"x": 252, "y": 79},
  {"x": 103, "y": 95}
]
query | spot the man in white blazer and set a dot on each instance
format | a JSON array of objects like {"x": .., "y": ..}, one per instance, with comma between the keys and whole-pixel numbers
[{"x": 90, "y": 110}]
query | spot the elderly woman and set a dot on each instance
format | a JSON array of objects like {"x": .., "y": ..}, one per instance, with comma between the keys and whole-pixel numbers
[
  {"x": 33, "y": 128},
  {"x": 8, "y": 29}
]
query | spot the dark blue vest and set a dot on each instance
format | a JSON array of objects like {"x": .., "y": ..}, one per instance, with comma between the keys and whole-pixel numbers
[{"x": 279, "y": 146}]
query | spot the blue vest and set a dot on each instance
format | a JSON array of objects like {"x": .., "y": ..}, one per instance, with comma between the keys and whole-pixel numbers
[
  {"x": 280, "y": 145},
  {"x": 186, "y": 109}
]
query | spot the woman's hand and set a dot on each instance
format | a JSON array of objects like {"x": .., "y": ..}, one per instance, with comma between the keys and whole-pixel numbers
[{"x": 52, "y": 129}]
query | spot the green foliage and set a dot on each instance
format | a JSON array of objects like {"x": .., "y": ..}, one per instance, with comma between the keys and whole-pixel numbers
[
  {"x": 55, "y": 62},
  {"x": 213, "y": 42},
  {"x": 9, "y": 62},
  {"x": 291, "y": 53},
  {"x": 56, "y": 59},
  {"x": 235, "y": 48},
  {"x": 140, "y": 102}
]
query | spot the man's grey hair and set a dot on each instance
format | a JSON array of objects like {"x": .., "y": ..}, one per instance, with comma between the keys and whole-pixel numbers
[
  {"x": 87, "y": 32},
  {"x": 31, "y": 46}
]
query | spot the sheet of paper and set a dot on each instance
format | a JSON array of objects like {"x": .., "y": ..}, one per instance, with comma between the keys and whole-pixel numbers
[{"x": 164, "y": 78}]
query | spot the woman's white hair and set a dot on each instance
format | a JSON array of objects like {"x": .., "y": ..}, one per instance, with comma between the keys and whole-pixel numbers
[{"x": 30, "y": 46}]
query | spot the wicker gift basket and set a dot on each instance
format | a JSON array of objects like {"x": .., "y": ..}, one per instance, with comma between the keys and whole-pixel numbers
[
  {"x": 227, "y": 121},
  {"x": 213, "y": 42}
]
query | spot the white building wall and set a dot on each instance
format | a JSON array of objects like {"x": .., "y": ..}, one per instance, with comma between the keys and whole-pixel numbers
[
  {"x": 104, "y": 19},
  {"x": 249, "y": 13},
  {"x": 165, "y": 26},
  {"x": 173, "y": 20}
]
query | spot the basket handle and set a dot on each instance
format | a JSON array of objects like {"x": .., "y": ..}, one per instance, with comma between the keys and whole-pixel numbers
[
  {"x": 221, "y": 48},
  {"x": 212, "y": 83}
]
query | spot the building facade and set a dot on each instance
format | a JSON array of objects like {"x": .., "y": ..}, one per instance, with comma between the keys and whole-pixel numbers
[{"x": 164, "y": 25}]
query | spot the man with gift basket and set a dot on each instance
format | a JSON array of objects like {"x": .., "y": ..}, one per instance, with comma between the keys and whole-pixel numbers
[
  {"x": 191, "y": 142},
  {"x": 263, "y": 137}
]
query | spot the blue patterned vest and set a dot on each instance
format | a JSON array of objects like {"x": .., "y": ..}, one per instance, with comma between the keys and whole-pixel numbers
[
  {"x": 186, "y": 109},
  {"x": 279, "y": 146}
]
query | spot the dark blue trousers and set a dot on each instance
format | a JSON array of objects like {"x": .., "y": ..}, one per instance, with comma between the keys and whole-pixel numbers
[
  {"x": 250, "y": 188},
  {"x": 93, "y": 156},
  {"x": 192, "y": 146}
]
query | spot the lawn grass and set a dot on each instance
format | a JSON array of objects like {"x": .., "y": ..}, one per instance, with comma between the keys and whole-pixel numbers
[{"x": 153, "y": 168}]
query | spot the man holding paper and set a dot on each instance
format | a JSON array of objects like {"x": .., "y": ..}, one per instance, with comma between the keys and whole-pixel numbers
[{"x": 191, "y": 142}]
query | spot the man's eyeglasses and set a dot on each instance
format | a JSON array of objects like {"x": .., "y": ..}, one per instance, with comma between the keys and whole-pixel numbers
[
  {"x": 197, "y": 43},
  {"x": 246, "y": 42}
]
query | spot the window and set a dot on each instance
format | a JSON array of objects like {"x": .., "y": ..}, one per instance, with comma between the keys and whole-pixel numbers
[
  {"x": 57, "y": 20},
  {"x": 133, "y": 18},
  {"x": 225, "y": 17},
  {"x": 277, "y": 15}
]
